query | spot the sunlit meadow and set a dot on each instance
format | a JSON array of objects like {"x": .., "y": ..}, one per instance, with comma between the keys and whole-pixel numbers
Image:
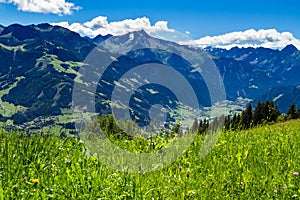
[{"x": 261, "y": 163}]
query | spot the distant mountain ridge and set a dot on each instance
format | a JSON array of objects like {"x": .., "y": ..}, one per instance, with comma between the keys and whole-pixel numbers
[
  {"x": 39, "y": 65},
  {"x": 283, "y": 96},
  {"x": 277, "y": 67}
]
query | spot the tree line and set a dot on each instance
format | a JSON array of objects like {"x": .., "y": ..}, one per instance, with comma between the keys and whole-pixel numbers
[{"x": 264, "y": 112}]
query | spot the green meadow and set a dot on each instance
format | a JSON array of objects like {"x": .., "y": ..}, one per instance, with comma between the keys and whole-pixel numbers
[{"x": 260, "y": 163}]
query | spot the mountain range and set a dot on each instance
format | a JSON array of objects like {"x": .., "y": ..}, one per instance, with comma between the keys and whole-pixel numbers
[{"x": 39, "y": 65}]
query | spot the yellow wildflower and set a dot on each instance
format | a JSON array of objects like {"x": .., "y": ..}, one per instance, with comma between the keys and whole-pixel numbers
[
  {"x": 35, "y": 181},
  {"x": 191, "y": 192}
]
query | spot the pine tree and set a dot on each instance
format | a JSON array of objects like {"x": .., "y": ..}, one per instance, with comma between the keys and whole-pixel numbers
[
  {"x": 292, "y": 112},
  {"x": 266, "y": 110},
  {"x": 203, "y": 126},
  {"x": 274, "y": 113},
  {"x": 246, "y": 120},
  {"x": 258, "y": 114},
  {"x": 235, "y": 122},
  {"x": 227, "y": 122}
]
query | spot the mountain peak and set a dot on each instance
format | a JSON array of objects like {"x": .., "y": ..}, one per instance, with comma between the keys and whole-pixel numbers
[
  {"x": 289, "y": 49},
  {"x": 100, "y": 38},
  {"x": 142, "y": 32},
  {"x": 139, "y": 34}
]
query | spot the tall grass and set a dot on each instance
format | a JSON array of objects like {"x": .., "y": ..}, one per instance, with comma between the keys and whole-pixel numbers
[{"x": 255, "y": 164}]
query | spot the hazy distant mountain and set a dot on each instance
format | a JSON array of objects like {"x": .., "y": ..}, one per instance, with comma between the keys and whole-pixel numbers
[
  {"x": 39, "y": 64},
  {"x": 283, "y": 96},
  {"x": 274, "y": 71},
  {"x": 284, "y": 64}
]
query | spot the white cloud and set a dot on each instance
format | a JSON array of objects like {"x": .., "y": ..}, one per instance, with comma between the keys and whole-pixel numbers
[
  {"x": 59, "y": 7},
  {"x": 100, "y": 25},
  {"x": 269, "y": 38}
]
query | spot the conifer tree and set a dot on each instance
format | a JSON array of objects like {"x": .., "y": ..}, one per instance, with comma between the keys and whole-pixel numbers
[
  {"x": 292, "y": 112},
  {"x": 274, "y": 113},
  {"x": 227, "y": 122},
  {"x": 258, "y": 114},
  {"x": 266, "y": 110},
  {"x": 246, "y": 119}
]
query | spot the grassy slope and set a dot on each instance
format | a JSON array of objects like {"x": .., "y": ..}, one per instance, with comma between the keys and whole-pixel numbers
[
  {"x": 250, "y": 164},
  {"x": 9, "y": 109}
]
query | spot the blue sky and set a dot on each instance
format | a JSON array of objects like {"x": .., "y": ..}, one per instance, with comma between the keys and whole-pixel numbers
[{"x": 200, "y": 18}]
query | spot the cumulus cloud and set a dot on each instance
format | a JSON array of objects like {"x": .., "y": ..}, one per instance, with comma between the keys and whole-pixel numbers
[
  {"x": 269, "y": 38},
  {"x": 59, "y": 7},
  {"x": 100, "y": 25}
]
